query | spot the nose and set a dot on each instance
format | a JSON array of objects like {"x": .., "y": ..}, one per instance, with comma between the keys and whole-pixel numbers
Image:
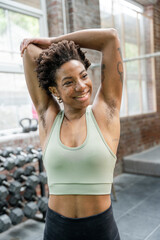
[{"x": 80, "y": 86}]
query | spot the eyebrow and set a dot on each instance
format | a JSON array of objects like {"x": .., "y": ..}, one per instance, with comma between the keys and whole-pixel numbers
[{"x": 71, "y": 77}]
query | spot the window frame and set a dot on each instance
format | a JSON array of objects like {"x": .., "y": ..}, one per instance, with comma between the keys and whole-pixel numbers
[
  {"x": 125, "y": 91},
  {"x": 41, "y": 14}
]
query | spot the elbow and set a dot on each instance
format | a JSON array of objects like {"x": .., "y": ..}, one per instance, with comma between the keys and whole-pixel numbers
[
  {"x": 30, "y": 52},
  {"x": 114, "y": 33},
  {"x": 110, "y": 36}
]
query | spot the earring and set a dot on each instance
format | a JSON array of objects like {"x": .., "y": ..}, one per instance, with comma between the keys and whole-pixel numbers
[{"x": 59, "y": 99}]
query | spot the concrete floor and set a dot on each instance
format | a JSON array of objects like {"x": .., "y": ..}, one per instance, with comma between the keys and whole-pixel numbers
[{"x": 136, "y": 211}]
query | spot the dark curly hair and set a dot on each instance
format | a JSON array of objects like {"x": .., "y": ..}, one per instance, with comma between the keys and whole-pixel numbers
[{"x": 53, "y": 57}]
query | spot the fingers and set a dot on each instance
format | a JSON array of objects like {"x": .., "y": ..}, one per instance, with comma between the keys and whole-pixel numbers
[{"x": 24, "y": 45}]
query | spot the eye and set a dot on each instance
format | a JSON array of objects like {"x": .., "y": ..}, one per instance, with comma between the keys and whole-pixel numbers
[
  {"x": 67, "y": 83},
  {"x": 85, "y": 75}
]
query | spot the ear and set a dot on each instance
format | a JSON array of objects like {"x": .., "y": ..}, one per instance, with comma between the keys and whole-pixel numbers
[{"x": 53, "y": 90}]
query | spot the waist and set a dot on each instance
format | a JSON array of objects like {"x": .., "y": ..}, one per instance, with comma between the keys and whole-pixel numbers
[{"x": 78, "y": 206}]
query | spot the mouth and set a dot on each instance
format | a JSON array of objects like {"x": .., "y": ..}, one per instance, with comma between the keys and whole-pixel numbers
[{"x": 82, "y": 97}]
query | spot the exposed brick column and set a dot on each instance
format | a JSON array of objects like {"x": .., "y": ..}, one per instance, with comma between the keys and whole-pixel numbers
[
  {"x": 55, "y": 17},
  {"x": 156, "y": 20}
]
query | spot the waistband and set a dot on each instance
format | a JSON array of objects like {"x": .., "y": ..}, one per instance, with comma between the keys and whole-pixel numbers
[
  {"x": 80, "y": 188},
  {"x": 63, "y": 219}
]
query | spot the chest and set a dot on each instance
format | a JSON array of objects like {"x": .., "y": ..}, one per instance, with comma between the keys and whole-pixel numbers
[{"x": 73, "y": 134}]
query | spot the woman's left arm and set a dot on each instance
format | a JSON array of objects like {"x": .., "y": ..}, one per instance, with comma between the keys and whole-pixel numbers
[{"x": 107, "y": 42}]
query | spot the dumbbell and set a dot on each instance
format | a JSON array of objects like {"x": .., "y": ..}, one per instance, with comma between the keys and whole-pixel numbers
[
  {"x": 42, "y": 202},
  {"x": 19, "y": 159},
  {"x": 7, "y": 163},
  {"x": 3, "y": 192},
  {"x": 30, "y": 149},
  {"x": 32, "y": 180},
  {"x": 30, "y": 170},
  {"x": 29, "y": 157},
  {"x": 6, "y": 151},
  {"x": 29, "y": 209},
  {"x": 5, "y": 223},
  {"x": 39, "y": 156},
  {"x": 15, "y": 214},
  {"x": 13, "y": 187}
]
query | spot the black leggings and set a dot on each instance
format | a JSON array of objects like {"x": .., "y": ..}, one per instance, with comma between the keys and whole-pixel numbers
[{"x": 101, "y": 226}]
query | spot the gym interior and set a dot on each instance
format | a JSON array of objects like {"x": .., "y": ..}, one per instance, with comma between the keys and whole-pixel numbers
[{"x": 136, "y": 186}]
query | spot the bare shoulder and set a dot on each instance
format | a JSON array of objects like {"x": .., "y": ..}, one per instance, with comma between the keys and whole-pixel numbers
[{"x": 46, "y": 120}]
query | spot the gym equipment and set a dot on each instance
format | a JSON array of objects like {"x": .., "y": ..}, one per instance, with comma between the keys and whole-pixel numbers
[
  {"x": 30, "y": 170},
  {"x": 3, "y": 192},
  {"x": 19, "y": 159},
  {"x": 29, "y": 157},
  {"x": 13, "y": 186},
  {"x": 30, "y": 149},
  {"x": 15, "y": 214},
  {"x": 42, "y": 202},
  {"x": 34, "y": 124},
  {"x": 28, "y": 124},
  {"x": 25, "y": 181},
  {"x": 29, "y": 209},
  {"x": 25, "y": 124},
  {"x": 32, "y": 180},
  {"x": 7, "y": 151},
  {"x": 5, "y": 223},
  {"x": 7, "y": 163}
]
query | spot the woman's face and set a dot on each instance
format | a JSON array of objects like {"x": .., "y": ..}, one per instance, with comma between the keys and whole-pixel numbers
[{"x": 74, "y": 86}]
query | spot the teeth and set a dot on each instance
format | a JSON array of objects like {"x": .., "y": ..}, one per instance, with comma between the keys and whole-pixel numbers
[{"x": 82, "y": 96}]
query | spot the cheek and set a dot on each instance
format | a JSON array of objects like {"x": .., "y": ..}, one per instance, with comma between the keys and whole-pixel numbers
[{"x": 69, "y": 92}]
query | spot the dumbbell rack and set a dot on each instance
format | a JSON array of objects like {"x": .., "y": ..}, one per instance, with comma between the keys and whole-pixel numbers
[{"x": 12, "y": 192}]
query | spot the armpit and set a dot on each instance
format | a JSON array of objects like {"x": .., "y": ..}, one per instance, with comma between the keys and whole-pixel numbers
[{"x": 110, "y": 110}]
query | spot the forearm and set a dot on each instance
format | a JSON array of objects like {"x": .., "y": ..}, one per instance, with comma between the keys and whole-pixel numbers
[
  {"x": 91, "y": 38},
  {"x": 33, "y": 52}
]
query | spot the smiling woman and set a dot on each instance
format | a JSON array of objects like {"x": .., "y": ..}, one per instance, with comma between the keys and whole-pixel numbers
[
  {"x": 78, "y": 142},
  {"x": 74, "y": 86}
]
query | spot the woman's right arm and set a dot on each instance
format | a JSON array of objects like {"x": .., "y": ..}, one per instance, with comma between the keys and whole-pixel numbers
[{"x": 43, "y": 103}]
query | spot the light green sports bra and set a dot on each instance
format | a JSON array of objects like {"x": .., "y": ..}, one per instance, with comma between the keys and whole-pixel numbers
[{"x": 83, "y": 170}]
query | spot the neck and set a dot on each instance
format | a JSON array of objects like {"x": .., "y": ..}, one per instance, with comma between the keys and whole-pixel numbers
[{"x": 73, "y": 114}]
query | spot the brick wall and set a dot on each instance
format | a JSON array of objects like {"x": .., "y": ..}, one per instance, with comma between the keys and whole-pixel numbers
[{"x": 55, "y": 17}]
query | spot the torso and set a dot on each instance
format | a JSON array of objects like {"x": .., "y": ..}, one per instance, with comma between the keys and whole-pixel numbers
[{"x": 76, "y": 206}]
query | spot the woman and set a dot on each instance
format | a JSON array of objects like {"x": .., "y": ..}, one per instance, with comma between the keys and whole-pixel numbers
[{"x": 81, "y": 141}]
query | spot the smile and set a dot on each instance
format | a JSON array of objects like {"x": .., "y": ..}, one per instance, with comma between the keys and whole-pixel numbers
[{"x": 82, "y": 97}]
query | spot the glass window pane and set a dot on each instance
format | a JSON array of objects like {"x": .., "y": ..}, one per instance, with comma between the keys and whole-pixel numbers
[
  {"x": 15, "y": 102},
  {"x": 148, "y": 88},
  {"x": 131, "y": 34},
  {"x": 133, "y": 88},
  {"x": 123, "y": 110},
  {"x": 145, "y": 30},
  {"x": 106, "y": 13},
  {"x": 15, "y": 27}
]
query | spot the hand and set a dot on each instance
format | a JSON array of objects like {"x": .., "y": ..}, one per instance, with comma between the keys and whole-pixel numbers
[{"x": 40, "y": 42}]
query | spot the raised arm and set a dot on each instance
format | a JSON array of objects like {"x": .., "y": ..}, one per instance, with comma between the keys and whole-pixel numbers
[
  {"x": 107, "y": 42},
  {"x": 41, "y": 100}
]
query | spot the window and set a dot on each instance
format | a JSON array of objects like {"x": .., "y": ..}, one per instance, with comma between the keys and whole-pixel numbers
[
  {"x": 17, "y": 21},
  {"x": 136, "y": 34}
]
